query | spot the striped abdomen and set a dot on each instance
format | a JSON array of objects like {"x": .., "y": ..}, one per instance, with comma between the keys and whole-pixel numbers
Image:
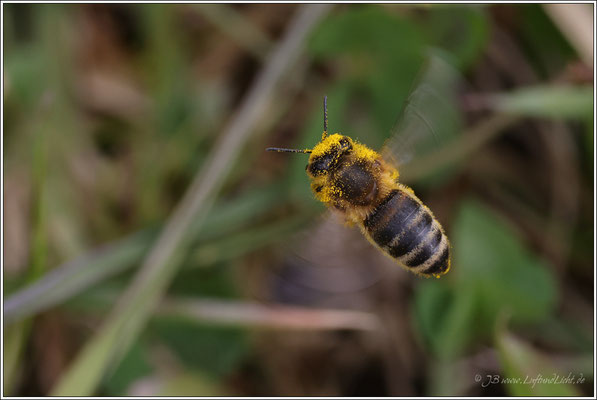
[{"x": 405, "y": 229}]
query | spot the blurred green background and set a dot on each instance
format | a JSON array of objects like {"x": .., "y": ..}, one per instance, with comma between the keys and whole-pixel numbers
[{"x": 111, "y": 111}]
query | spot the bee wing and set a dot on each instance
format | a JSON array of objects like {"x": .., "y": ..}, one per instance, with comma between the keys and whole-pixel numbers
[
  {"x": 429, "y": 118},
  {"x": 329, "y": 263}
]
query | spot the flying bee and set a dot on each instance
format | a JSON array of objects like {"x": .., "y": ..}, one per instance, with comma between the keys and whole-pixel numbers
[{"x": 363, "y": 186}]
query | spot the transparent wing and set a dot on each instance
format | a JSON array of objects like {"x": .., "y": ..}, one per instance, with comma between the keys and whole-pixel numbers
[
  {"x": 430, "y": 116},
  {"x": 328, "y": 264}
]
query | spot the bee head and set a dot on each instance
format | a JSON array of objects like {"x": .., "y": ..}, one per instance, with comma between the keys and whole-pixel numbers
[{"x": 326, "y": 154}]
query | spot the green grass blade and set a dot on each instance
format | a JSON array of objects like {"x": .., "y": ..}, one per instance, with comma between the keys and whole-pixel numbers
[
  {"x": 98, "y": 265},
  {"x": 15, "y": 338},
  {"x": 131, "y": 312},
  {"x": 547, "y": 101},
  {"x": 74, "y": 277},
  {"x": 530, "y": 373}
]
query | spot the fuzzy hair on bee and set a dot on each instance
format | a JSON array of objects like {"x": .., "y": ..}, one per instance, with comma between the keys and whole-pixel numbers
[{"x": 357, "y": 182}]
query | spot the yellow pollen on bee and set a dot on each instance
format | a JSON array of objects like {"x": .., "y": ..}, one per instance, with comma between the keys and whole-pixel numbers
[
  {"x": 363, "y": 152},
  {"x": 359, "y": 150},
  {"x": 326, "y": 144},
  {"x": 327, "y": 190}
]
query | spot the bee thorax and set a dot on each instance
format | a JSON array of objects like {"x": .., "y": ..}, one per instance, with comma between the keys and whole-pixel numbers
[{"x": 358, "y": 185}]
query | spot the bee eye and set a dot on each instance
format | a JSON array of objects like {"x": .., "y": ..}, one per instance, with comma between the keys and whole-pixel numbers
[
  {"x": 345, "y": 144},
  {"x": 320, "y": 165}
]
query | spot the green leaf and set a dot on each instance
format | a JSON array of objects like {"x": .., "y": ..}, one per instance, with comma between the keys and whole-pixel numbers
[
  {"x": 489, "y": 256},
  {"x": 547, "y": 101},
  {"x": 445, "y": 380},
  {"x": 461, "y": 30},
  {"x": 215, "y": 350},
  {"x": 133, "y": 366},
  {"x": 530, "y": 373},
  {"x": 25, "y": 67},
  {"x": 445, "y": 319},
  {"x": 545, "y": 47},
  {"x": 190, "y": 384},
  {"x": 359, "y": 28},
  {"x": 378, "y": 56},
  {"x": 492, "y": 274}
]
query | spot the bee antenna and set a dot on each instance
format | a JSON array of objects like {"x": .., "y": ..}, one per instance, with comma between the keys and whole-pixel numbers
[
  {"x": 325, "y": 117},
  {"x": 282, "y": 150}
]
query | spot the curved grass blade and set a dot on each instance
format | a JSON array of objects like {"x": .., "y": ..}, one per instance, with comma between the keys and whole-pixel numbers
[
  {"x": 131, "y": 312},
  {"x": 74, "y": 277}
]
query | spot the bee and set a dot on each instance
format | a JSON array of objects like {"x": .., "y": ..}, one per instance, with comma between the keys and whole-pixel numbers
[{"x": 363, "y": 187}]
